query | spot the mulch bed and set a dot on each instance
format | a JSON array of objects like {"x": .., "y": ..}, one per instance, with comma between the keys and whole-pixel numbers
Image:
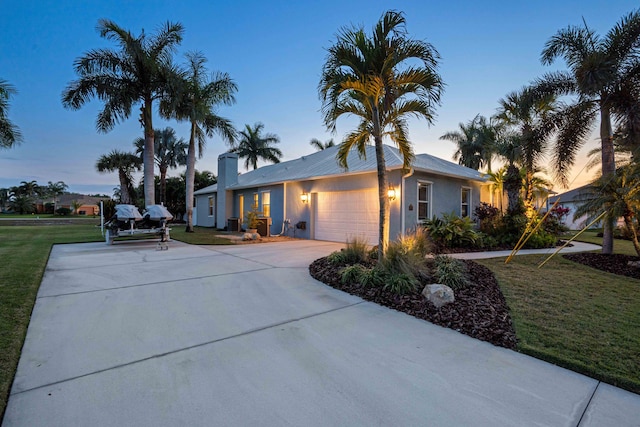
[
  {"x": 479, "y": 311},
  {"x": 616, "y": 263}
]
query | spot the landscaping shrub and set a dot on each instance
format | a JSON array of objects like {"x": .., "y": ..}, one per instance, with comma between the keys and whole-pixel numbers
[
  {"x": 373, "y": 277},
  {"x": 401, "y": 284},
  {"x": 554, "y": 222},
  {"x": 450, "y": 272},
  {"x": 488, "y": 217},
  {"x": 402, "y": 258},
  {"x": 63, "y": 211},
  {"x": 352, "y": 274},
  {"x": 451, "y": 231},
  {"x": 541, "y": 239},
  {"x": 357, "y": 250},
  {"x": 337, "y": 258}
]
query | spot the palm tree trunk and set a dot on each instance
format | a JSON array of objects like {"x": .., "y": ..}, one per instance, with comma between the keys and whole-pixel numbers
[
  {"x": 608, "y": 171},
  {"x": 148, "y": 156},
  {"x": 628, "y": 221},
  {"x": 512, "y": 184},
  {"x": 163, "y": 184},
  {"x": 528, "y": 193},
  {"x": 383, "y": 230},
  {"x": 190, "y": 177},
  {"x": 125, "y": 197}
]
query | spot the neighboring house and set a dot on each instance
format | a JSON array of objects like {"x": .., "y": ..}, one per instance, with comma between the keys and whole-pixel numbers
[
  {"x": 572, "y": 199},
  {"x": 88, "y": 205},
  {"x": 325, "y": 202}
]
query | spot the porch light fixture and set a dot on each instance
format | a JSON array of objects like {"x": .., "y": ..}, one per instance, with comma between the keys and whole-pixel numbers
[
  {"x": 304, "y": 197},
  {"x": 391, "y": 193}
]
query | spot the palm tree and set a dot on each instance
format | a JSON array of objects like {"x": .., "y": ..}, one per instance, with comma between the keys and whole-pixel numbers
[
  {"x": 382, "y": 79},
  {"x": 319, "y": 146},
  {"x": 138, "y": 73},
  {"x": 497, "y": 180},
  {"x": 618, "y": 197},
  {"x": 197, "y": 100},
  {"x": 534, "y": 120},
  {"x": 470, "y": 152},
  {"x": 253, "y": 145},
  {"x": 600, "y": 71},
  {"x": 510, "y": 148},
  {"x": 9, "y": 133},
  {"x": 169, "y": 152},
  {"x": 55, "y": 189},
  {"x": 125, "y": 164}
]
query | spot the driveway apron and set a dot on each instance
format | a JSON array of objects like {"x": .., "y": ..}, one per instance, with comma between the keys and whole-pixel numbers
[{"x": 126, "y": 335}]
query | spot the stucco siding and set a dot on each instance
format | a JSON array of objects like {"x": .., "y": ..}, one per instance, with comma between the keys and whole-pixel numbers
[{"x": 203, "y": 219}]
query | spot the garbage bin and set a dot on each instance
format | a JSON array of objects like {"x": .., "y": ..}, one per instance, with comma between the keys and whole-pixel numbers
[
  {"x": 264, "y": 227},
  {"x": 233, "y": 224}
]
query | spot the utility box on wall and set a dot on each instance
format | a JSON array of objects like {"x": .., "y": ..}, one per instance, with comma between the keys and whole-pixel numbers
[{"x": 264, "y": 227}]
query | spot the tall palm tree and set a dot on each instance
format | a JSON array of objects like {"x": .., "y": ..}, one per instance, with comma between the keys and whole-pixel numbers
[
  {"x": 533, "y": 118},
  {"x": 319, "y": 145},
  {"x": 470, "y": 150},
  {"x": 600, "y": 69},
  {"x": 140, "y": 72},
  {"x": 9, "y": 133},
  {"x": 196, "y": 101},
  {"x": 253, "y": 145},
  {"x": 381, "y": 78},
  {"x": 169, "y": 152},
  {"x": 125, "y": 164},
  {"x": 510, "y": 148}
]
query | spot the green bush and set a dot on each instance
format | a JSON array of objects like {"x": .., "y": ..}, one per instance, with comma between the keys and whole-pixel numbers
[
  {"x": 401, "y": 284},
  {"x": 450, "y": 272},
  {"x": 63, "y": 211},
  {"x": 373, "y": 277},
  {"x": 352, "y": 274},
  {"x": 336, "y": 258},
  {"x": 356, "y": 251},
  {"x": 541, "y": 239},
  {"x": 451, "y": 231},
  {"x": 399, "y": 259}
]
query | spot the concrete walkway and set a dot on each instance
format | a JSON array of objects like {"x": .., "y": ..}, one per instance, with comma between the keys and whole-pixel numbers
[
  {"x": 576, "y": 247},
  {"x": 125, "y": 335}
]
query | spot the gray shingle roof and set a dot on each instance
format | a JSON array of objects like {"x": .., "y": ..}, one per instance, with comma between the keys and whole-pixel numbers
[
  {"x": 579, "y": 194},
  {"x": 323, "y": 164}
]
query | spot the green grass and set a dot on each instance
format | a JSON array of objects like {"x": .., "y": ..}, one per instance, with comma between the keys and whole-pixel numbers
[
  {"x": 575, "y": 316},
  {"x": 24, "y": 252},
  {"x": 200, "y": 236},
  {"x": 619, "y": 246}
]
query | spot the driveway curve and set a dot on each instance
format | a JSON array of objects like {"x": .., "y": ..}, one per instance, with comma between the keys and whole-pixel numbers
[{"x": 126, "y": 335}]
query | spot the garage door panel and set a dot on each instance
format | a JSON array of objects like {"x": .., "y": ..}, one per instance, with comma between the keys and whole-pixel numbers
[{"x": 344, "y": 214}]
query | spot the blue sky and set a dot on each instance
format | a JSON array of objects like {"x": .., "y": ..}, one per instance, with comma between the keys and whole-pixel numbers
[{"x": 274, "y": 50}]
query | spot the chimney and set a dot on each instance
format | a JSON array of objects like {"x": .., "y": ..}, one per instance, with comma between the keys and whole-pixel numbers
[{"x": 227, "y": 176}]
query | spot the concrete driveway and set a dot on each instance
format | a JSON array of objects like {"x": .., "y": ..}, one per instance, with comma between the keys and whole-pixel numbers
[{"x": 125, "y": 335}]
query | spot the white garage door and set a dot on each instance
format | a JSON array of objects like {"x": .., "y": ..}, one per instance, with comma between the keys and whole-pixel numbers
[{"x": 341, "y": 215}]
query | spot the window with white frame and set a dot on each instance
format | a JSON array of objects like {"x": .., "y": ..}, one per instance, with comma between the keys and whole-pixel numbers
[
  {"x": 465, "y": 201},
  {"x": 211, "y": 205},
  {"x": 255, "y": 201},
  {"x": 424, "y": 201},
  {"x": 266, "y": 203}
]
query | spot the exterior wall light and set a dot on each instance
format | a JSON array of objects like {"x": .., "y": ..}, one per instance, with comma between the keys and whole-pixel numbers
[
  {"x": 391, "y": 193},
  {"x": 304, "y": 197}
]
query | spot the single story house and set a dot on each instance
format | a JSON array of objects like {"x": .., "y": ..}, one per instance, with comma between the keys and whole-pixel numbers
[
  {"x": 323, "y": 201},
  {"x": 87, "y": 205},
  {"x": 573, "y": 199}
]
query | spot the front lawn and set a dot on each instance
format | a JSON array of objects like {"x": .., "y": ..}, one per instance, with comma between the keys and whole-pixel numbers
[
  {"x": 575, "y": 316},
  {"x": 200, "y": 235},
  {"x": 24, "y": 252}
]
